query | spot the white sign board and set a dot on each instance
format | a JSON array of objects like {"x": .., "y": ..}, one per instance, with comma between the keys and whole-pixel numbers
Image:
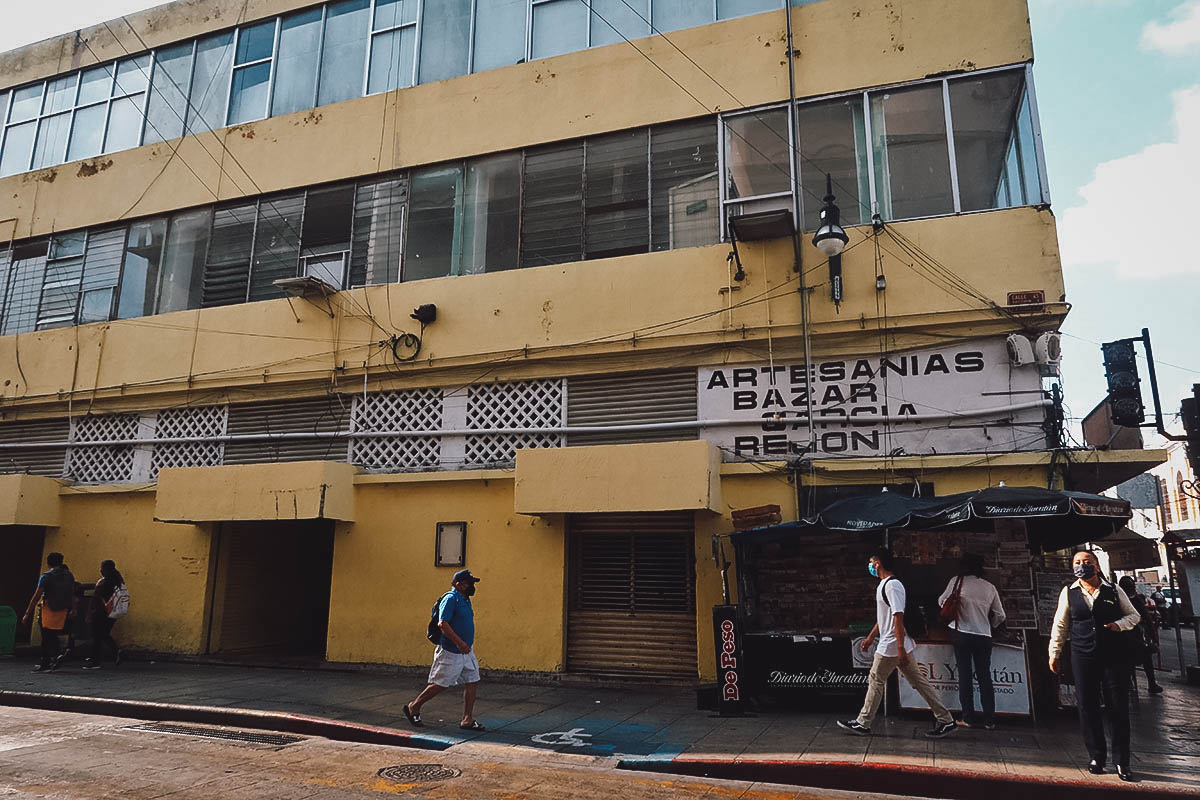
[
  {"x": 960, "y": 398},
  {"x": 1010, "y": 679}
]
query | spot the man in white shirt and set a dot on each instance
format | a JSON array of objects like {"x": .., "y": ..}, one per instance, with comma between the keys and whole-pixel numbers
[
  {"x": 1094, "y": 615},
  {"x": 978, "y": 611},
  {"x": 894, "y": 651}
]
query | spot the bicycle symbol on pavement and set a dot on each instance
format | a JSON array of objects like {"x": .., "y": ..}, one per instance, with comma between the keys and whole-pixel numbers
[{"x": 574, "y": 737}]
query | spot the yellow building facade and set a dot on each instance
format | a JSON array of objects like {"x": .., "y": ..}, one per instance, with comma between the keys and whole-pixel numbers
[{"x": 217, "y": 218}]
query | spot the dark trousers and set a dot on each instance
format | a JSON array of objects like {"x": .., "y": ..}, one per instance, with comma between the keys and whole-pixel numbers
[
  {"x": 1148, "y": 666},
  {"x": 1094, "y": 678},
  {"x": 102, "y": 638},
  {"x": 50, "y": 645},
  {"x": 974, "y": 655}
]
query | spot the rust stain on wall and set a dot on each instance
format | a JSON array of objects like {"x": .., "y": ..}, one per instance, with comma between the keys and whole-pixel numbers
[{"x": 89, "y": 168}]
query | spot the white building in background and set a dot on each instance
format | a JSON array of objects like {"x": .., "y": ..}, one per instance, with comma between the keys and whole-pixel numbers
[{"x": 1179, "y": 505}]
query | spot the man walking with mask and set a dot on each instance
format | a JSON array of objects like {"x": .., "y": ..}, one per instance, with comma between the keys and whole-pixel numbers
[
  {"x": 894, "y": 651},
  {"x": 1094, "y": 614},
  {"x": 454, "y": 660}
]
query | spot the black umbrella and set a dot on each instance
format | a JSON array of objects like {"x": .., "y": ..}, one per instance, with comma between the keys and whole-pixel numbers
[{"x": 882, "y": 511}]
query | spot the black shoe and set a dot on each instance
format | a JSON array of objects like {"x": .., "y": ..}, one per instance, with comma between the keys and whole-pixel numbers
[
  {"x": 1155, "y": 689},
  {"x": 91, "y": 665},
  {"x": 43, "y": 668},
  {"x": 1095, "y": 767},
  {"x": 853, "y": 726},
  {"x": 1124, "y": 774},
  {"x": 942, "y": 729}
]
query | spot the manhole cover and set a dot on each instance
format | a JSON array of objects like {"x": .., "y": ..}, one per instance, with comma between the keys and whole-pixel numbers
[
  {"x": 254, "y": 737},
  {"x": 418, "y": 773}
]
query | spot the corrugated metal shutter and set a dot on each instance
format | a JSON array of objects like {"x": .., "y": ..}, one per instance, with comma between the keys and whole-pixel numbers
[
  {"x": 552, "y": 206},
  {"x": 322, "y": 414},
  {"x": 227, "y": 270},
  {"x": 276, "y": 245},
  {"x": 378, "y": 237},
  {"x": 639, "y": 399},
  {"x": 47, "y": 461},
  {"x": 632, "y": 595}
]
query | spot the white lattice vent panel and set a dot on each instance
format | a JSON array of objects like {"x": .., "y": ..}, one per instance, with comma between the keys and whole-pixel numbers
[
  {"x": 408, "y": 411},
  {"x": 189, "y": 423},
  {"x": 522, "y": 404},
  {"x": 102, "y": 463}
]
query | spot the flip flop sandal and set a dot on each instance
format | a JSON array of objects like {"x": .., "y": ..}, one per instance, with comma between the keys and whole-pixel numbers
[
  {"x": 474, "y": 726},
  {"x": 415, "y": 719}
]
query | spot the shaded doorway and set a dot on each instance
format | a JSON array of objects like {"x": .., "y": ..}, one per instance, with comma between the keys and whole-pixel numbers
[
  {"x": 271, "y": 584},
  {"x": 20, "y": 567}
]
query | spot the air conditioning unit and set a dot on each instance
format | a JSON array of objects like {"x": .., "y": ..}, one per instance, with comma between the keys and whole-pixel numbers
[
  {"x": 1047, "y": 351},
  {"x": 1020, "y": 351}
]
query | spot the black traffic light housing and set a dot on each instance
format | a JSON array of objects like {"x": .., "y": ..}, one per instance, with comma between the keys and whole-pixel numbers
[
  {"x": 1124, "y": 385},
  {"x": 1189, "y": 412}
]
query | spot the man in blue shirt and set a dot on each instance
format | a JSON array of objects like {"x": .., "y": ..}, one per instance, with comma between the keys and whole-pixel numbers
[{"x": 454, "y": 660}]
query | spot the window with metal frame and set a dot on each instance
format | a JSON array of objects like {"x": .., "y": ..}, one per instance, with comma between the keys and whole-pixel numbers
[
  {"x": 296, "y": 61},
  {"x": 60, "y": 288},
  {"x": 393, "y": 45},
  {"x": 26, "y": 274},
  {"x": 445, "y": 39},
  {"x": 253, "y": 58}
]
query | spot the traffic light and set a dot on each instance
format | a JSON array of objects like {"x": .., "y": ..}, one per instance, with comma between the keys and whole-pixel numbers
[
  {"x": 1124, "y": 386},
  {"x": 1189, "y": 411}
]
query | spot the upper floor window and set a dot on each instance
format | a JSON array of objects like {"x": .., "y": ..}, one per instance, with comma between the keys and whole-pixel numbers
[
  {"x": 939, "y": 147},
  {"x": 313, "y": 57}
]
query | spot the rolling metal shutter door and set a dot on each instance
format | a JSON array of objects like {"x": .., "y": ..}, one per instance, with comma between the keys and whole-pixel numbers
[
  {"x": 47, "y": 461},
  {"x": 323, "y": 414},
  {"x": 632, "y": 599},
  {"x": 632, "y": 400}
]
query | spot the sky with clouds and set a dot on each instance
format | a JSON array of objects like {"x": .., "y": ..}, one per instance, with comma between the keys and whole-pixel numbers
[{"x": 1118, "y": 86}]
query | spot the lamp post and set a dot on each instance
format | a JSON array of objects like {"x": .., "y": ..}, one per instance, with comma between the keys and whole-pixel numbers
[{"x": 831, "y": 240}]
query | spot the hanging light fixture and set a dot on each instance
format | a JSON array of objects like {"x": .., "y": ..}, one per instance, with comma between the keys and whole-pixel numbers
[{"x": 830, "y": 238}]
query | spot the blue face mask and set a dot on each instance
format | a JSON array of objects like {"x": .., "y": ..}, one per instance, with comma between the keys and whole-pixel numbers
[
  {"x": 871, "y": 568},
  {"x": 1084, "y": 570}
]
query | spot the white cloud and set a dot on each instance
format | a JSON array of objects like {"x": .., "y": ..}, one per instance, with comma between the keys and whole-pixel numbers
[
  {"x": 1181, "y": 33},
  {"x": 1137, "y": 214},
  {"x": 25, "y": 23}
]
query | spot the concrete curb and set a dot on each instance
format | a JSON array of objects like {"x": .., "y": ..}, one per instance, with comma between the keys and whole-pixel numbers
[
  {"x": 213, "y": 715},
  {"x": 903, "y": 779}
]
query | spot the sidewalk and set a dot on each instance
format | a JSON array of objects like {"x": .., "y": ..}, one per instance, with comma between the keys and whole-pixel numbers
[{"x": 658, "y": 729}]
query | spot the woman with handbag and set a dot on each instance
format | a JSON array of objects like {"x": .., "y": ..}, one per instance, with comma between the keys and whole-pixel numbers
[
  {"x": 100, "y": 614},
  {"x": 1094, "y": 615},
  {"x": 971, "y": 607}
]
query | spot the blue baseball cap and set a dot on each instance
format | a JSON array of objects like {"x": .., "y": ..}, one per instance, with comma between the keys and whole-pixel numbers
[{"x": 464, "y": 575}]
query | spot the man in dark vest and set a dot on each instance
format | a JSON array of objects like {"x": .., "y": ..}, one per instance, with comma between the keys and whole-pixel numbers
[{"x": 1094, "y": 615}]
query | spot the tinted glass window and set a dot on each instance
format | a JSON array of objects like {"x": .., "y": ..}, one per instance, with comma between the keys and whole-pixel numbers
[
  {"x": 912, "y": 162},
  {"x": 344, "y": 51},
  {"x": 296, "y": 62},
  {"x": 500, "y": 33},
  {"x": 832, "y": 140},
  {"x": 757, "y": 153},
  {"x": 445, "y": 39}
]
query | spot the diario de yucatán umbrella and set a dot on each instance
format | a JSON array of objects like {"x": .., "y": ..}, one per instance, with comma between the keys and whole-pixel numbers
[{"x": 1055, "y": 519}]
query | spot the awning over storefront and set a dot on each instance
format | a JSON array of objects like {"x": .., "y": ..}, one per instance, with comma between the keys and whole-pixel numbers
[
  {"x": 1128, "y": 550},
  {"x": 28, "y": 500},
  {"x": 294, "y": 490},
  {"x": 623, "y": 478},
  {"x": 1054, "y": 519}
]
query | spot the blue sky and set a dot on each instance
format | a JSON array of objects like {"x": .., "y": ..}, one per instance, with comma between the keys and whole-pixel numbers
[{"x": 1118, "y": 85}]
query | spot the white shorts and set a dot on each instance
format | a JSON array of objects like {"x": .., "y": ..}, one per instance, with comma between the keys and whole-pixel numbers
[{"x": 450, "y": 668}]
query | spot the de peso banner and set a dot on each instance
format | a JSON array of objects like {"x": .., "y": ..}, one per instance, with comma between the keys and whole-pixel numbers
[
  {"x": 1010, "y": 679},
  {"x": 961, "y": 398}
]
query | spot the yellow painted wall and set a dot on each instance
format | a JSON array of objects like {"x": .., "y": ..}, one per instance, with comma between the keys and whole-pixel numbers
[
  {"x": 842, "y": 44},
  {"x": 165, "y": 566},
  {"x": 529, "y": 322},
  {"x": 384, "y": 581},
  {"x": 28, "y": 500},
  {"x": 294, "y": 490},
  {"x": 663, "y": 476}
]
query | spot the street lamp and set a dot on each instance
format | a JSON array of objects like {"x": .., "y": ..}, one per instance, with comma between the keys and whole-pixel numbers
[{"x": 830, "y": 238}]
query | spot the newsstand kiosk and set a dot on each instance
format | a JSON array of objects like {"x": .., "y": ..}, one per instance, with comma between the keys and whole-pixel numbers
[{"x": 806, "y": 600}]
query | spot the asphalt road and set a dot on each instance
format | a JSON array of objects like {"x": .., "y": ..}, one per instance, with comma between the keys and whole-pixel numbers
[{"x": 57, "y": 755}]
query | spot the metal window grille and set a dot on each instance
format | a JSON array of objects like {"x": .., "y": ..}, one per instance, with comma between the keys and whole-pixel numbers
[
  {"x": 413, "y": 410},
  {"x": 184, "y": 423},
  {"x": 102, "y": 463},
  {"x": 522, "y": 404}
]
